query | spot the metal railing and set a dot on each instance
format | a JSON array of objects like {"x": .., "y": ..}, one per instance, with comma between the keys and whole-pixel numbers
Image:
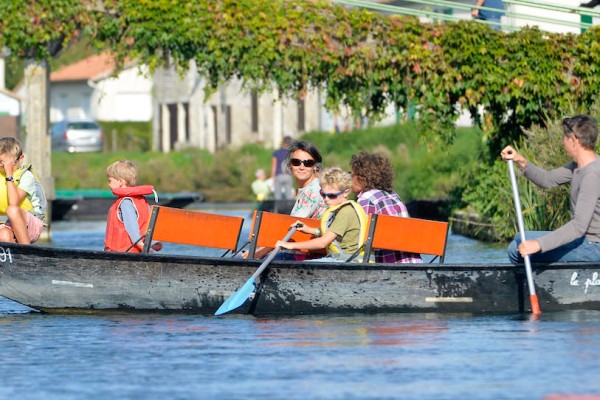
[{"x": 395, "y": 9}]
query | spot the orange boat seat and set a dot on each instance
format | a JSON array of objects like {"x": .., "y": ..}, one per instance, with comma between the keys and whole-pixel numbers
[
  {"x": 267, "y": 228},
  {"x": 175, "y": 225},
  {"x": 412, "y": 235}
]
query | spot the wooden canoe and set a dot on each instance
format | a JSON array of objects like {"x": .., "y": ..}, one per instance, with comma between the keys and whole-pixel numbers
[{"x": 61, "y": 280}]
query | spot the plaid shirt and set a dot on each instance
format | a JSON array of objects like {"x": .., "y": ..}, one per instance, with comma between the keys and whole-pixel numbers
[{"x": 380, "y": 202}]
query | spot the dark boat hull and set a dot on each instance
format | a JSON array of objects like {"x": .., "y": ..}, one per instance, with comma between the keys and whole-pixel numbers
[
  {"x": 55, "y": 280},
  {"x": 95, "y": 208}
]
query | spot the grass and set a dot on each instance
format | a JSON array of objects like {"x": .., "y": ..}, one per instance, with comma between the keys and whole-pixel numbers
[{"x": 423, "y": 169}]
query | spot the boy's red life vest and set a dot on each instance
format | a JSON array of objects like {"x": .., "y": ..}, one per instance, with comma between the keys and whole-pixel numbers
[{"x": 116, "y": 238}]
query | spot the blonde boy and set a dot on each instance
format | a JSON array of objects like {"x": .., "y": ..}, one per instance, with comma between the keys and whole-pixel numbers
[
  {"x": 23, "y": 204},
  {"x": 128, "y": 217},
  {"x": 342, "y": 224}
]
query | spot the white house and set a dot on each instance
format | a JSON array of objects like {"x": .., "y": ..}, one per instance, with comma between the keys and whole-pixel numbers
[{"x": 88, "y": 89}]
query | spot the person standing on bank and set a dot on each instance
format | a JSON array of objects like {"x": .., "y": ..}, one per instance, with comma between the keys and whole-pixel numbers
[
  {"x": 283, "y": 185},
  {"x": 486, "y": 15},
  {"x": 578, "y": 239}
]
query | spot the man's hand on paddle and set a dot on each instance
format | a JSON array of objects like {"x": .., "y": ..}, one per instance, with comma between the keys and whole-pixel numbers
[
  {"x": 509, "y": 153},
  {"x": 529, "y": 247}
]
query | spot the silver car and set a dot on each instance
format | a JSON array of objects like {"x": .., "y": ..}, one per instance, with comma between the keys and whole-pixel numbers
[{"x": 77, "y": 136}]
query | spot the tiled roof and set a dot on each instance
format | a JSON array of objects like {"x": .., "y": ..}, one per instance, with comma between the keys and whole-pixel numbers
[{"x": 89, "y": 68}]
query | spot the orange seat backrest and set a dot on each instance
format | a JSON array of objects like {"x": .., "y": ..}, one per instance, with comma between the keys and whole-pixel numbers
[
  {"x": 409, "y": 234},
  {"x": 268, "y": 228},
  {"x": 196, "y": 228}
]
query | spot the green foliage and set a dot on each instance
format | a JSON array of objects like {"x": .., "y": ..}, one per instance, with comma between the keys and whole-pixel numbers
[
  {"x": 487, "y": 192},
  {"x": 366, "y": 61},
  {"x": 40, "y": 29},
  {"x": 78, "y": 49},
  {"x": 423, "y": 169},
  {"x": 15, "y": 68}
]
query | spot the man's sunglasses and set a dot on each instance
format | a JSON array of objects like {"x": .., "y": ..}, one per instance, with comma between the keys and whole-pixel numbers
[
  {"x": 332, "y": 196},
  {"x": 307, "y": 163}
]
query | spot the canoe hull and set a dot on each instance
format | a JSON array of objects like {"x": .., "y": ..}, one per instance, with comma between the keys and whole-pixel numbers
[{"x": 55, "y": 280}]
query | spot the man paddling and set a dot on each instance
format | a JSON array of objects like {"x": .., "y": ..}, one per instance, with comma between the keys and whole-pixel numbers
[{"x": 578, "y": 239}]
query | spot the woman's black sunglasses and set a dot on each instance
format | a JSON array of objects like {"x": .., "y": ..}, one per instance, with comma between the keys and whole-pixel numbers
[
  {"x": 332, "y": 196},
  {"x": 307, "y": 163}
]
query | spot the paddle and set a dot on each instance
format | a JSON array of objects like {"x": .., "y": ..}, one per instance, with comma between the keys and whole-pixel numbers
[
  {"x": 238, "y": 298},
  {"x": 533, "y": 299}
]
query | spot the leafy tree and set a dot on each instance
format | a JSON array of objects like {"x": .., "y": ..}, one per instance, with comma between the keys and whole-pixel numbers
[
  {"x": 40, "y": 29},
  {"x": 366, "y": 61}
]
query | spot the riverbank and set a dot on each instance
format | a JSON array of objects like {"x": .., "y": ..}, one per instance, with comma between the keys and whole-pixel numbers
[{"x": 423, "y": 170}]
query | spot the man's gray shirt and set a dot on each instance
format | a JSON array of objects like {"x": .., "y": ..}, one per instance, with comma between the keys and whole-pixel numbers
[{"x": 584, "y": 200}]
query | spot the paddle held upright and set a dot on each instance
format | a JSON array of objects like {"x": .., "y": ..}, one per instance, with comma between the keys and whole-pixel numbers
[
  {"x": 242, "y": 294},
  {"x": 535, "y": 307}
]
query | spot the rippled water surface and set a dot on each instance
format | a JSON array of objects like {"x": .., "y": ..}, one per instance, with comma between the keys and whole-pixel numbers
[{"x": 386, "y": 356}]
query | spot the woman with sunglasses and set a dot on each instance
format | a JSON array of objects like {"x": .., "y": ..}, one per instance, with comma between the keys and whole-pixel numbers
[
  {"x": 304, "y": 163},
  {"x": 372, "y": 181},
  {"x": 343, "y": 225},
  {"x": 578, "y": 239}
]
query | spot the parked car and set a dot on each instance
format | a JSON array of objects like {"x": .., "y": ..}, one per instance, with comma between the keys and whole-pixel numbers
[{"x": 77, "y": 136}]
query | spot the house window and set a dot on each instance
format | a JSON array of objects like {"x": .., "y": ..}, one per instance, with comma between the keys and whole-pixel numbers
[
  {"x": 301, "y": 116},
  {"x": 254, "y": 111}
]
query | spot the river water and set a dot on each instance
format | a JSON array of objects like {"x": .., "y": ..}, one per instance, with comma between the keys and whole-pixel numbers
[{"x": 384, "y": 356}]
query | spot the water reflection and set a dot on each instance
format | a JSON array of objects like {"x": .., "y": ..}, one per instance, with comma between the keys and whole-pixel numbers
[
  {"x": 334, "y": 332},
  {"x": 424, "y": 356}
]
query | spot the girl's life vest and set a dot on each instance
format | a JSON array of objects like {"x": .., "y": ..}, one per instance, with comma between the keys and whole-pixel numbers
[
  {"x": 328, "y": 217},
  {"x": 116, "y": 238},
  {"x": 26, "y": 203}
]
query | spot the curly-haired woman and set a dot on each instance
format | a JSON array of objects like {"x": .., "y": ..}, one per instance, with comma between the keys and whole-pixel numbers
[{"x": 372, "y": 181}]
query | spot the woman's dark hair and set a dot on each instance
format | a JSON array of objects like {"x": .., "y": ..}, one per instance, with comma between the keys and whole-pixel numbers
[
  {"x": 374, "y": 170},
  {"x": 307, "y": 147}
]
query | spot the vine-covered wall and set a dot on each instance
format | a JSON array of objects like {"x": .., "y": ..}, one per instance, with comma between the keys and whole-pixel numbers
[{"x": 363, "y": 59}]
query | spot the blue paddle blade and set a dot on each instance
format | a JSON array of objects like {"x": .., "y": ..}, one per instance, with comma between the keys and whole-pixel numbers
[{"x": 238, "y": 298}]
